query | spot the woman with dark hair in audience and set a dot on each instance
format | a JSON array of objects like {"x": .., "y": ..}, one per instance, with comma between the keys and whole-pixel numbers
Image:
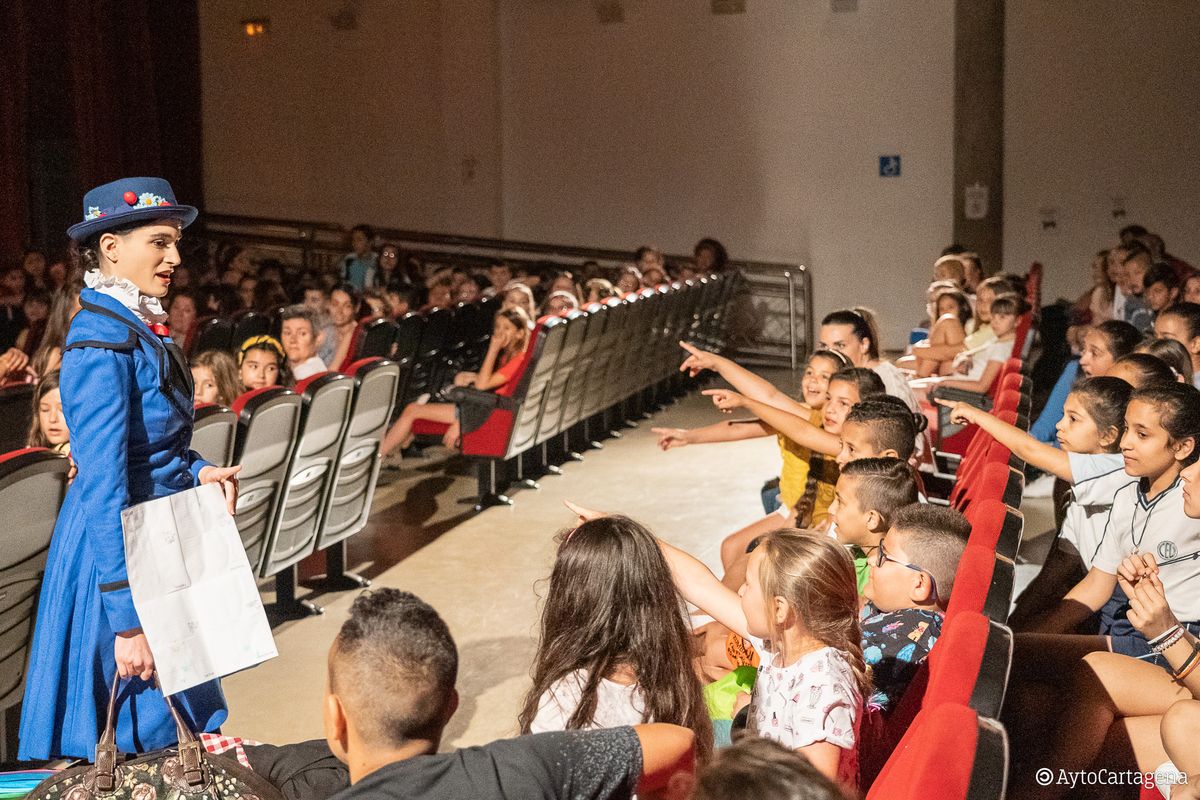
[
  {"x": 510, "y": 337},
  {"x": 127, "y": 398},
  {"x": 345, "y": 310},
  {"x": 391, "y": 267},
  {"x": 182, "y": 313},
  {"x": 711, "y": 256},
  {"x": 854, "y": 333}
]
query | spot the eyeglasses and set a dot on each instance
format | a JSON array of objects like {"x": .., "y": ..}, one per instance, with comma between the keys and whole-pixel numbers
[{"x": 882, "y": 556}]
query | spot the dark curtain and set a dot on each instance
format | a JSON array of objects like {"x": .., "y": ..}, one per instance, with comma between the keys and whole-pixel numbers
[
  {"x": 14, "y": 181},
  {"x": 94, "y": 90}
]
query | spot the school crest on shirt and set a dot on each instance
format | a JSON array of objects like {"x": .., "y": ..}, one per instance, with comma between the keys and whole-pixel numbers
[{"x": 1167, "y": 550}]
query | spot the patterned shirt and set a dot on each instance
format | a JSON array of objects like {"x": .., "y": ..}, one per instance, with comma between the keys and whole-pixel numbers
[{"x": 894, "y": 644}]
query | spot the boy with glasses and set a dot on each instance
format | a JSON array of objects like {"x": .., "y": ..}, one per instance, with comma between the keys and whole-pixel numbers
[{"x": 911, "y": 576}]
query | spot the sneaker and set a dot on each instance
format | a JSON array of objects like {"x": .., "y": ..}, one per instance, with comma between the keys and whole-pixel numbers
[{"x": 1042, "y": 487}]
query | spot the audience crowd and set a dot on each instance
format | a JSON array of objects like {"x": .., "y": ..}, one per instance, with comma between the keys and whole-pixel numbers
[{"x": 655, "y": 676}]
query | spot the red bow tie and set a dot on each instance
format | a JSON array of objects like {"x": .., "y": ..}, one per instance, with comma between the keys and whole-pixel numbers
[{"x": 159, "y": 328}]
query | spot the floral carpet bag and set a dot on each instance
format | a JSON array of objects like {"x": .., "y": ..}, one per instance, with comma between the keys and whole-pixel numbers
[{"x": 185, "y": 772}]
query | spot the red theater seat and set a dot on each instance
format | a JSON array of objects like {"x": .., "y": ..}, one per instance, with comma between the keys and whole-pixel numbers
[
  {"x": 983, "y": 583},
  {"x": 949, "y": 753}
]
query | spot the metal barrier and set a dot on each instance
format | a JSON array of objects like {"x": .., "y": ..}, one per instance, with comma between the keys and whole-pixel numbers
[{"x": 772, "y": 317}]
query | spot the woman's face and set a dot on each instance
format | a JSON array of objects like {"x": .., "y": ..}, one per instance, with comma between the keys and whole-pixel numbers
[
  {"x": 259, "y": 368},
  {"x": 706, "y": 259},
  {"x": 1097, "y": 358},
  {"x": 182, "y": 315},
  {"x": 206, "y": 385},
  {"x": 145, "y": 256},
  {"x": 814, "y": 386},
  {"x": 299, "y": 339},
  {"x": 842, "y": 339},
  {"x": 629, "y": 283},
  {"x": 241, "y": 262},
  {"x": 1191, "y": 290},
  {"x": 13, "y": 281},
  {"x": 515, "y": 298},
  {"x": 51, "y": 419},
  {"x": 842, "y": 397},
  {"x": 1077, "y": 431},
  {"x": 341, "y": 308}
]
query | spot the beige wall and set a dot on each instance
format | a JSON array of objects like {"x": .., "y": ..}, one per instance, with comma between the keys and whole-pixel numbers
[
  {"x": 380, "y": 124},
  {"x": 1102, "y": 100},
  {"x": 762, "y": 129}
]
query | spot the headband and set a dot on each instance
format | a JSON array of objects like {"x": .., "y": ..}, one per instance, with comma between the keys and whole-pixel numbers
[{"x": 267, "y": 342}]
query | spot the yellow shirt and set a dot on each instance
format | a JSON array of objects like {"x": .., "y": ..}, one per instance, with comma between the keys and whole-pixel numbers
[
  {"x": 826, "y": 489},
  {"x": 793, "y": 476}
]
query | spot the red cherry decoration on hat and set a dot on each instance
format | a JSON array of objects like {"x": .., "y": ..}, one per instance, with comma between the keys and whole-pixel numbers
[{"x": 131, "y": 198}]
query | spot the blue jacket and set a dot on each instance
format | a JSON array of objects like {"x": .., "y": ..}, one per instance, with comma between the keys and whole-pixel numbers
[
  {"x": 127, "y": 399},
  {"x": 1045, "y": 428}
]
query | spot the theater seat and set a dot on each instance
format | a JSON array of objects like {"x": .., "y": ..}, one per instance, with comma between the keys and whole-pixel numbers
[
  {"x": 267, "y": 423},
  {"x": 214, "y": 433},
  {"x": 248, "y": 323},
  {"x": 33, "y": 483},
  {"x": 378, "y": 339},
  {"x": 376, "y": 383},
  {"x": 213, "y": 333},
  {"x": 325, "y": 400},
  {"x": 949, "y": 753},
  {"x": 983, "y": 583}
]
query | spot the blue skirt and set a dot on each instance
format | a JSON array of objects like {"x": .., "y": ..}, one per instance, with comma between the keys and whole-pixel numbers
[{"x": 71, "y": 666}]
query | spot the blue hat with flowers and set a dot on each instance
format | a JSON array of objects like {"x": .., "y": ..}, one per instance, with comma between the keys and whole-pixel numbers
[{"x": 126, "y": 201}]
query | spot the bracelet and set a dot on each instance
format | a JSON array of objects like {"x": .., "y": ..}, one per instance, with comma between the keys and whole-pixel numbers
[
  {"x": 1162, "y": 644},
  {"x": 1188, "y": 665},
  {"x": 1165, "y": 634}
]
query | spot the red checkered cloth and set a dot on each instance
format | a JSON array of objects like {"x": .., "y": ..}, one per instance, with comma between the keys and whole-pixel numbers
[{"x": 218, "y": 744}]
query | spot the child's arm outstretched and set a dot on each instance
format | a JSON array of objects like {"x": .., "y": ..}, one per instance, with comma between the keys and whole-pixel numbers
[
  {"x": 1041, "y": 455},
  {"x": 733, "y": 430},
  {"x": 742, "y": 379},
  {"x": 794, "y": 427}
]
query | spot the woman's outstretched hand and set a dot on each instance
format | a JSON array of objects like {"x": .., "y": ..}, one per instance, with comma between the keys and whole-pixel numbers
[
  {"x": 133, "y": 655},
  {"x": 227, "y": 477}
]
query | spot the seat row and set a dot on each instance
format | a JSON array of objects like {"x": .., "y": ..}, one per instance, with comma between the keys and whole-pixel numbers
[
  {"x": 585, "y": 375},
  {"x": 943, "y": 739}
]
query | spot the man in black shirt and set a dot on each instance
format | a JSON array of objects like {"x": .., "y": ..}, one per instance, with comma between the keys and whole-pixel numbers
[{"x": 390, "y": 693}]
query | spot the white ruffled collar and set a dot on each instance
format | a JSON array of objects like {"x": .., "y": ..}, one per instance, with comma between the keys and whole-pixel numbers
[{"x": 148, "y": 309}]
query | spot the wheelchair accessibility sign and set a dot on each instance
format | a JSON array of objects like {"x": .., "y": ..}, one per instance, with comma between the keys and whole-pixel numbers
[{"x": 889, "y": 166}]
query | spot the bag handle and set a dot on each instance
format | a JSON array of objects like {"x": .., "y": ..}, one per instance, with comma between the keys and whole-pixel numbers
[{"x": 190, "y": 750}]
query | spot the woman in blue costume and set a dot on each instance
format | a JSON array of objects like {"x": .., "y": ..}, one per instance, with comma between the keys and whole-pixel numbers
[{"x": 127, "y": 396}]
